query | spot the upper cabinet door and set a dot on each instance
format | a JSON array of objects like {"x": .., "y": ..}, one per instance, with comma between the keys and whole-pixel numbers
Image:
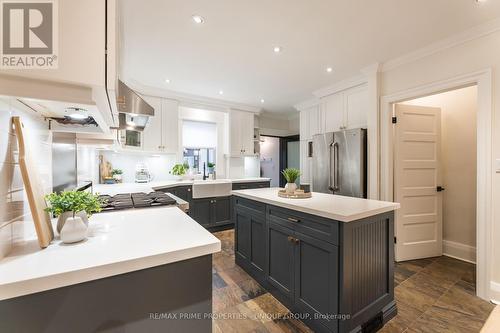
[
  {"x": 356, "y": 104},
  {"x": 152, "y": 135},
  {"x": 241, "y": 131},
  {"x": 247, "y": 133},
  {"x": 235, "y": 143},
  {"x": 304, "y": 125},
  {"x": 170, "y": 125},
  {"x": 332, "y": 109},
  {"x": 314, "y": 122}
]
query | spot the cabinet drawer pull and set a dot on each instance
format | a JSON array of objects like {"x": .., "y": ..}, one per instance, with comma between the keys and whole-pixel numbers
[{"x": 291, "y": 219}]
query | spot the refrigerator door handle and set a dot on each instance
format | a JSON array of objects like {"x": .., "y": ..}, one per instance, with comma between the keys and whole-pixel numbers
[
  {"x": 333, "y": 187},
  {"x": 336, "y": 166}
]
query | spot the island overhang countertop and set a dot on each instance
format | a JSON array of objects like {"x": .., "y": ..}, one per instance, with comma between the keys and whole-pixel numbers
[
  {"x": 118, "y": 242},
  {"x": 336, "y": 207}
]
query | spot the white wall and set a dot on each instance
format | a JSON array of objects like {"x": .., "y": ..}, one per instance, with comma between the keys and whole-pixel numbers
[
  {"x": 159, "y": 165},
  {"x": 15, "y": 215},
  {"x": 468, "y": 57},
  {"x": 458, "y": 157}
]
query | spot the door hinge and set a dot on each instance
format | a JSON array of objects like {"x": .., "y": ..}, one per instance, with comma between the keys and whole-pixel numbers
[
  {"x": 395, "y": 240},
  {"x": 394, "y": 120}
]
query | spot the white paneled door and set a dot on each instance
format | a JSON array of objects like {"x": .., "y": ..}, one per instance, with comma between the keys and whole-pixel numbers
[{"x": 417, "y": 176}]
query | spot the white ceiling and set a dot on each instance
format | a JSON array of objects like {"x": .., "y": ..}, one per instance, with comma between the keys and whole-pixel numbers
[{"x": 233, "y": 49}]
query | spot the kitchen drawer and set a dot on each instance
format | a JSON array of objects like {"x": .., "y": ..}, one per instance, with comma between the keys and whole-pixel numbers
[
  {"x": 307, "y": 224},
  {"x": 254, "y": 206},
  {"x": 250, "y": 185}
]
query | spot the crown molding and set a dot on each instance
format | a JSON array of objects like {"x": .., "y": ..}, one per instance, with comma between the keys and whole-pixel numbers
[
  {"x": 310, "y": 103},
  {"x": 279, "y": 116},
  {"x": 351, "y": 82},
  {"x": 457, "y": 39},
  {"x": 190, "y": 100}
]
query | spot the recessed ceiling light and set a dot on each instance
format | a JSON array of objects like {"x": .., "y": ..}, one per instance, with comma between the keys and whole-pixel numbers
[
  {"x": 277, "y": 49},
  {"x": 262, "y": 100},
  {"x": 198, "y": 19},
  {"x": 329, "y": 69},
  {"x": 221, "y": 92},
  {"x": 167, "y": 81}
]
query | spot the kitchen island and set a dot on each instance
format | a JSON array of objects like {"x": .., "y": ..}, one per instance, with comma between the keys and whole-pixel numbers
[
  {"x": 329, "y": 259},
  {"x": 140, "y": 270}
]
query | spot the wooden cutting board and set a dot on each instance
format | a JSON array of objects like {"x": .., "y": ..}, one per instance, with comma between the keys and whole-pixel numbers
[{"x": 33, "y": 187}]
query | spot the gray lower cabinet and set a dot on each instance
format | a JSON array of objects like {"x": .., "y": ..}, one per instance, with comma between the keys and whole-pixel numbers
[
  {"x": 251, "y": 185},
  {"x": 250, "y": 247},
  {"x": 337, "y": 276},
  {"x": 183, "y": 192},
  {"x": 211, "y": 212}
]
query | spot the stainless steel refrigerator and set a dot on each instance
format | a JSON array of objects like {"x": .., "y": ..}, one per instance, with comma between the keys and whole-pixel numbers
[{"x": 339, "y": 163}]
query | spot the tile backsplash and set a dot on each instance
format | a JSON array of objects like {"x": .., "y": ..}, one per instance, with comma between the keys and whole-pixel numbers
[{"x": 15, "y": 215}]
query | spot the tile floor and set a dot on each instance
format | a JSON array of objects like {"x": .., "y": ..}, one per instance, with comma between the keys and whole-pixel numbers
[{"x": 433, "y": 295}]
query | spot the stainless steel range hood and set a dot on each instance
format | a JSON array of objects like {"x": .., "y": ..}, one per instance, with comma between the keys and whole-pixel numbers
[{"x": 134, "y": 111}]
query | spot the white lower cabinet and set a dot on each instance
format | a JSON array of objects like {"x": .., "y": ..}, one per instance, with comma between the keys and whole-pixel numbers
[{"x": 305, "y": 163}]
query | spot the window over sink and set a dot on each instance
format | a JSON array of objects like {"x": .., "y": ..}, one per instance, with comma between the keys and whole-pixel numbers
[{"x": 199, "y": 140}]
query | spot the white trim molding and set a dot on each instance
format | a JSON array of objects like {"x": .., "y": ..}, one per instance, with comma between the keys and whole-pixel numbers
[
  {"x": 483, "y": 80},
  {"x": 459, "y": 251},
  {"x": 307, "y": 104},
  {"x": 495, "y": 292},
  {"x": 190, "y": 100},
  {"x": 351, "y": 82},
  {"x": 478, "y": 31}
]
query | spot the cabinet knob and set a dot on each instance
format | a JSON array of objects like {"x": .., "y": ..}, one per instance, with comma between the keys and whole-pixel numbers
[
  {"x": 189, "y": 190},
  {"x": 290, "y": 239}
]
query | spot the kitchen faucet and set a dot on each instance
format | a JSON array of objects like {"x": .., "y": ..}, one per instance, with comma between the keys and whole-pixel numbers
[{"x": 204, "y": 170}]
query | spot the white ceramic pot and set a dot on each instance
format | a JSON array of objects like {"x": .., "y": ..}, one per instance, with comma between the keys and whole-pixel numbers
[
  {"x": 118, "y": 178},
  {"x": 290, "y": 188},
  {"x": 64, "y": 216},
  {"x": 74, "y": 230}
]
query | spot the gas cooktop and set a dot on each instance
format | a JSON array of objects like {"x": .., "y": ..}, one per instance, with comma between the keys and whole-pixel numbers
[{"x": 135, "y": 200}]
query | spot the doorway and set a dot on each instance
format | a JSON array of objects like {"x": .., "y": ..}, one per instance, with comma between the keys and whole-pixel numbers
[
  {"x": 435, "y": 167},
  {"x": 277, "y": 154}
]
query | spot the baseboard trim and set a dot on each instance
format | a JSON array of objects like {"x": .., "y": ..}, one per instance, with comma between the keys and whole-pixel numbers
[
  {"x": 495, "y": 292},
  {"x": 459, "y": 251}
]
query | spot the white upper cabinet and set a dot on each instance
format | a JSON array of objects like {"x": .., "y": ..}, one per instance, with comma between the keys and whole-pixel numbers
[
  {"x": 152, "y": 135},
  {"x": 170, "y": 126},
  {"x": 162, "y": 131},
  {"x": 241, "y": 132},
  {"x": 345, "y": 110},
  {"x": 356, "y": 105},
  {"x": 309, "y": 123},
  {"x": 332, "y": 112}
]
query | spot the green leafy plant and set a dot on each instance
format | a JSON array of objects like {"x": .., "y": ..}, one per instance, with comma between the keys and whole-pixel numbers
[
  {"x": 116, "y": 172},
  {"x": 179, "y": 169},
  {"x": 291, "y": 174},
  {"x": 210, "y": 165},
  {"x": 73, "y": 201}
]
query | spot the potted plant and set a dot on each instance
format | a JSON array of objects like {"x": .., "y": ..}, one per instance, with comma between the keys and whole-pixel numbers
[
  {"x": 210, "y": 167},
  {"x": 291, "y": 175},
  {"x": 117, "y": 175},
  {"x": 179, "y": 170},
  {"x": 73, "y": 208}
]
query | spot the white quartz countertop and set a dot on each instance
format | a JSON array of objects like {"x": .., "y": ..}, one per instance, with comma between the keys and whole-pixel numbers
[
  {"x": 112, "y": 189},
  {"x": 336, "y": 207},
  {"x": 118, "y": 242}
]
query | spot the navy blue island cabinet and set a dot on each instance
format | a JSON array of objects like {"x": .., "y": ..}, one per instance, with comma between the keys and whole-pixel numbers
[{"x": 334, "y": 276}]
